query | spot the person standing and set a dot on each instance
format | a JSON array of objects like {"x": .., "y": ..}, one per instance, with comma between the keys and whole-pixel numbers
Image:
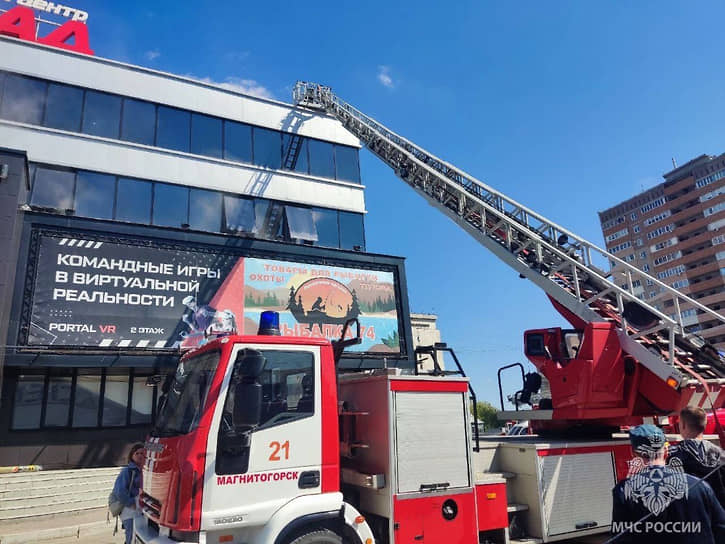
[
  {"x": 127, "y": 486},
  {"x": 658, "y": 503},
  {"x": 699, "y": 457}
]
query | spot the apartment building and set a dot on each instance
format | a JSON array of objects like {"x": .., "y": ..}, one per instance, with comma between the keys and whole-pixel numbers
[{"x": 675, "y": 231}]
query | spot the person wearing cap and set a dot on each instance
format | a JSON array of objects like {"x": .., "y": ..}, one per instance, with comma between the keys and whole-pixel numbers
[
  {"x": 699, "y": 457},
  {"x": 659, "y": 503}
]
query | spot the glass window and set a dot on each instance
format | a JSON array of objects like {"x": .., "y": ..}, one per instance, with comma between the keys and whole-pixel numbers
[
  {"x": 322, "y": 161},
  {"x": 94, "y": 195},
  {"x": 269, "y": 219},
  {"x": 173, "y": 130},
  {"x": 53, "y": 188},
  {"x": 288, "y": 387},
  {"x": 205, "y": 210},
  {"x": 142, "y": 401},
  {"x": 115, "y": 400},
  {"x": 182, "y": 407},
  {"x": 63, "y": 107},
  {"x": 28, "y": 402},
  {"x": 206, "y": 135},
  {"x": 102, "y": 114},
  {"x": 328, "y": 233},
  {"x": 300, "y": 223},
  {"x": 57, "y": 407},
  {"x": 23, "y": 99},
  {"x": 267, "y": 148},
  {"x": 347, "y": 163},
  {"x": 352, "y": 231},
  {"x": 237, "y": 142},
  {"x": 171, "y": 205},
  {"x": 85, "y": 407},
  {"x": 294, "y": 153},
  {"x": 239, "y": 214},
  {"x": 133, "y": 200},
  {"x": 138, "y": 123}
]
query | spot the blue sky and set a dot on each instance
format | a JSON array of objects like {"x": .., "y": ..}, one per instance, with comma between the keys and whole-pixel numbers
[{"x": 567, "y": 106}]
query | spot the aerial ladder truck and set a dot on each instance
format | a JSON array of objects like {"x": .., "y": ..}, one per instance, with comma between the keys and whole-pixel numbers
[
  {"x": 262, "y": 440},
  {"x": 624, "y": 359}
]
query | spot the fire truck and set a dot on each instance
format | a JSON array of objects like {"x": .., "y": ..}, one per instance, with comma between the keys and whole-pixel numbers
[{"x": 261, "y": 439}]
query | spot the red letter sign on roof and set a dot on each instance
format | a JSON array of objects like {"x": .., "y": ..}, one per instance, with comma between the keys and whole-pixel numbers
[{"x": 19, "y": 22}]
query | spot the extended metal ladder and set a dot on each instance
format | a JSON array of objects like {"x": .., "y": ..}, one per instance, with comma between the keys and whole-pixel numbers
[{"x": 555, "y": 259}]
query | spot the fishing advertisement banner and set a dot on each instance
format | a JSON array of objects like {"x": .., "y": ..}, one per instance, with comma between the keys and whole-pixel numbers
[{"x": 90, "y": 292}]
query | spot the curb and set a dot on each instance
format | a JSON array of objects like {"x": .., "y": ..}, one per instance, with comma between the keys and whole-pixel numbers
[{"x": 77, "y": 531}]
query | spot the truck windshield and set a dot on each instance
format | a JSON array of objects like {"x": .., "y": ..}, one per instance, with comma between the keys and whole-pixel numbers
[{"x": 182, "y": 406}]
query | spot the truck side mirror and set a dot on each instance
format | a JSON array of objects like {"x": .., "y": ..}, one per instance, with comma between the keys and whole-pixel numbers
[
  {"x": 249, "y": 363},
  {"x": 247, "y": 404}
]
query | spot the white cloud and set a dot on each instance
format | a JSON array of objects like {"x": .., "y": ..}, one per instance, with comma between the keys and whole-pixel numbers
[
  {"x": 236, "y": 56},
  {"x": 385, "y": 78},
  {"x": 153, "y": 54},
  {"x": 240, "y": 85}
]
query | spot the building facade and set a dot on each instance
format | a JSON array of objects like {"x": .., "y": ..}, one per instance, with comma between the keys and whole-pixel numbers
[
  {"x": 139, "y": 209},
  {"x": 675, "y": 232}
]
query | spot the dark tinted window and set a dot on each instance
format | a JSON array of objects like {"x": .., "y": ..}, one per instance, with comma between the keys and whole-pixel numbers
[
  {"x": 87, "y": 399},
  {"x": 346, "y": 163},
  {"x": 294, "y": 153},
  {"x": 102, "y": 114},
  {"x": 206, "y": 135},
  {"x": 237, "y": 142},
  {"x": 23, "y": 99},
  {"x": 267, "y": 148},
  {"x": 58, "y": 403},
  {"x": 351, "y": 230},
  {"x": 300, "y": 223},
  {"x": 115, "y": 400},
  {"x": 28, "y": 402},
  {"x": 205, "y": 211},
  {"x": 173, "y": 128},
  {"x": 269, "y": 219},
  {"x": 63, "y": 107},
  {"x": 239, "y": 215},
  {"x": 94, "y": 195},
  {"x": 139, "y": 121},
  {"x": 142, "y": 401},
  {"x": 328, "y": 234},
  {"x": 53, "y": 188},
  {"x": 171, "y": 205},
  {"x": 133, "y": 200},
  {"x": 322, "y": 161}
]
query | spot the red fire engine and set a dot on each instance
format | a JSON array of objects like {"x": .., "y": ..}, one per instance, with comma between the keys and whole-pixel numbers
[{"x": 260, "y": 440}]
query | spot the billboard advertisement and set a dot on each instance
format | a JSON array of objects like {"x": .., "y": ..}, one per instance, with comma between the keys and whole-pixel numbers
[{"x": 129, "y": 294}]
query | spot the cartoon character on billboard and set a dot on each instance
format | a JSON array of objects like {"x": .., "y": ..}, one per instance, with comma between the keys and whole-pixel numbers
[
  {"x": 198, "y": 318},
  {"x": 203, "y": 321}
]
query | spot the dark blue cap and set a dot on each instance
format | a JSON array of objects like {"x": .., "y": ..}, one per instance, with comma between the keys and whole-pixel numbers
[{"x": 647, "y": 439}]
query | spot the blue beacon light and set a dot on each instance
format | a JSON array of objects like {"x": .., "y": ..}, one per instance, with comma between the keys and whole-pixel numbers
[{"x": 269, "y": 324}]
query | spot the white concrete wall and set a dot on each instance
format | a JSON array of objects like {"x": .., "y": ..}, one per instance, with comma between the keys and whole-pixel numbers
[
  {"x": 85, "y": 152},
  {"x": 88, "y": 152},
  {"x": 115, "y": 77}
]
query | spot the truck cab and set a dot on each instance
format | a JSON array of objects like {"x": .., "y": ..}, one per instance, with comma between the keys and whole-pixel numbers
[{"x": 246, "y": 448}]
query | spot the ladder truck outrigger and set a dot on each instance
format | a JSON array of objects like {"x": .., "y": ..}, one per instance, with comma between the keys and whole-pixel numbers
[{"x": 261, "y": 439}]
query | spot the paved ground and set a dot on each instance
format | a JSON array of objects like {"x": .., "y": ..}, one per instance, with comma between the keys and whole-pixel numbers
[{"x": 98, "y": 538}]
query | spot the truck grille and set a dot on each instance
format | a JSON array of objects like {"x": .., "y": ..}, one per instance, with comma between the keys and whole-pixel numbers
[{"x": 150, "y": 505}]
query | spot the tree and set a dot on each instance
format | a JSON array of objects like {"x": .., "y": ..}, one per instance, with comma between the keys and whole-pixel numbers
[{"x": 486, "y": 412}]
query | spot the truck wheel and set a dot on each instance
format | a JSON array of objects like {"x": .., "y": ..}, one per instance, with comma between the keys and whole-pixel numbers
[{"x": 323, "y": 536}]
